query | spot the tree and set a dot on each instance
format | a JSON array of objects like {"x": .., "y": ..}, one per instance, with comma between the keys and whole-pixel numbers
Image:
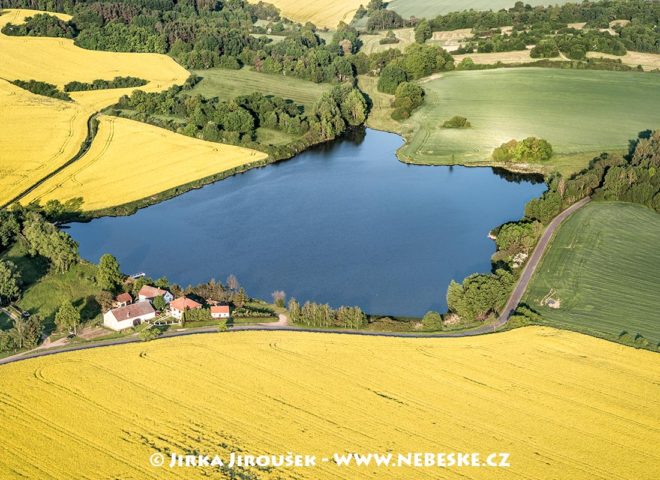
[
  {"x": 232, "y": 283},
  {"x": 432, "y": 321},
  {"x": 390, "y": 78},
  {"x": 159, "y": 303},
  {"x": 423, "y": 31},
  {"x": 26, "y": 332},
  {"x": 67, "y": 318},
  {"x": 105, "y": 300},
  {"x": 240, "y": 298},
  {"x": 108, "y": 275},
  {"x": 279, "y": 297},
  {"x": 10, "y": 280},
  {"x": 9, "y": 228}
]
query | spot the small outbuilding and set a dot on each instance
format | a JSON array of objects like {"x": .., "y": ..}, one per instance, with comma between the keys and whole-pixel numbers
[
  {"x": 149, "y": 293},
  {"x": 181, "y": 304},
  {"x": 220, "y": 311},
  {"x": 122, "y": 300},
  {"x": 128, "y": 316}
]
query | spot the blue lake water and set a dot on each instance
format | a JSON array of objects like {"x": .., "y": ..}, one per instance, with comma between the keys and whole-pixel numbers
[{"x": 346, "y": 223}]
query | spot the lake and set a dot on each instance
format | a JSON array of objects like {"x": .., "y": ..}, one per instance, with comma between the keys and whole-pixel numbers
[{"x": 345, "y": 224}]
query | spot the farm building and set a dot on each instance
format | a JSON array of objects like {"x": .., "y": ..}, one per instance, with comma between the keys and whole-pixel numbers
[
  {"x": 181, "y": 304},
  {"x": 220, "y": 311},
  {"x": 128, "y": 316},
  {"x": 149, "y": 293},
  {"x": 122, "y": 300}
]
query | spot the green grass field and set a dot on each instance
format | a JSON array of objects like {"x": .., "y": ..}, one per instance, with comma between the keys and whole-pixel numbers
[
  {"x": 433, "y": 8},
  {"x": 45, "y": 291},
  {"x": 227, "y": 84},
  {"x": 604, "y": 267},
  {"x": 579, "y": 112}
]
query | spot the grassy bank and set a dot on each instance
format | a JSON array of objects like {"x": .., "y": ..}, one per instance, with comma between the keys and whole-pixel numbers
[{"x": 604, "y": 269}]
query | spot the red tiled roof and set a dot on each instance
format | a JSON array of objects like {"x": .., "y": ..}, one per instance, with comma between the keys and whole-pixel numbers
[
  {"x": 220, "y": 309},
  {"x": 133, "y": 310},
  {"x": 182, "y": 303},
  {"x": 151, "y": 292},
  {"x": 124, "y": 298}
]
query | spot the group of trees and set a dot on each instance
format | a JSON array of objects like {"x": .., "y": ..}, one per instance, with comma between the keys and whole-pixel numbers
[
  {"x": 531, "y": 149},
  {"x": 418, "y": 61},
  {"x": 317, "y": 315},
  {"x": 236, "y": 121},
  {"x": 24, "y": 333},
  {"x": 547, "y": 28},
  {"x": 99, "y": 84},
  {"x": 479, "y": 295},
  {"x": 41, "y": 25},
  {"x": 42, "y": 88}
]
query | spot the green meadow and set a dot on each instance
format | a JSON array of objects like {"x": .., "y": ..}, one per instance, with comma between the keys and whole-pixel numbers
[
  {"x": 579, "y": 112},
  {"x": 604, "y": 268},
  {"x": 433, "y": 8},
  {"x": 227, "y": 84}
]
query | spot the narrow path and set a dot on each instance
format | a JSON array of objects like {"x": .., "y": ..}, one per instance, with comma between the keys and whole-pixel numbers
[
  {"x": 283, "y": 323},
  {"x": 533, "y": 262}
]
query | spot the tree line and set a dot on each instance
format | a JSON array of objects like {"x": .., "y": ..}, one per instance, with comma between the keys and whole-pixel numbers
[
  {"x": 237, "y": 120},
  {"x": 321, "y": 315},
  {"x": 100, "y": 84},
  {"x": 522, "y": 16}
]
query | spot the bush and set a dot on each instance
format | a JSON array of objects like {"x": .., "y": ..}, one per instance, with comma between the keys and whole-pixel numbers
[
  {"x": 457, "y": 122},
  {"x": 149, "y": 334},
  {"x": 432, "y": 321}
]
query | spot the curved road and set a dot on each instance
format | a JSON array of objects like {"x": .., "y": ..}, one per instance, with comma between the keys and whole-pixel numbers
[{"x": 511, "y": 304}]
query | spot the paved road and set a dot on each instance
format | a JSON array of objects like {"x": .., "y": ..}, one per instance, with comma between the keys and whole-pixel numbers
[
  {"x": 533, "y": 261},
  {"x": 282, "y": 325}
]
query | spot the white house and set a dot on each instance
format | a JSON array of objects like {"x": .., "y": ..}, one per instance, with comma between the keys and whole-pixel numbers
[
  {"x": 128, "y": 316},
  {"x": 220, "y": 311},
  {"x": 149, "y": 293},
  {"x": 181, "y": 304}
]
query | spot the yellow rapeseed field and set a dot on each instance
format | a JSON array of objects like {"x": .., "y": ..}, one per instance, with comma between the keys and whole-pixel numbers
[
  {"x": 564, "y": 405},
  {"x": 131, "y": 160},
  {"x": 321, "y": 14},
  {"x": 40, "y": 134}
]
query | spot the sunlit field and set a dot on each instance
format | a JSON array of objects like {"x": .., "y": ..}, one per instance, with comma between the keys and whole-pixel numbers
[
  {"x": 604, "y": 268},
  {"x": 130, "y": 160},
  {"x": 564, "y": 405},
  {"x": 39, "y": 133},
  {"x": 573, "y": 110},
  {"x": 321, "y": 14},
  {"x": 433, "y": 8}
]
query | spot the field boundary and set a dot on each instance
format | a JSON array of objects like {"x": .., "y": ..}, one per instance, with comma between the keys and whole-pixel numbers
[
  {"x": 92, "y": 128},
  {"x": 534, "y": 260}
]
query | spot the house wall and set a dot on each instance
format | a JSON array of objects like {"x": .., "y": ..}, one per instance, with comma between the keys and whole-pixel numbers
[{"x": 219, "y": 315}]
